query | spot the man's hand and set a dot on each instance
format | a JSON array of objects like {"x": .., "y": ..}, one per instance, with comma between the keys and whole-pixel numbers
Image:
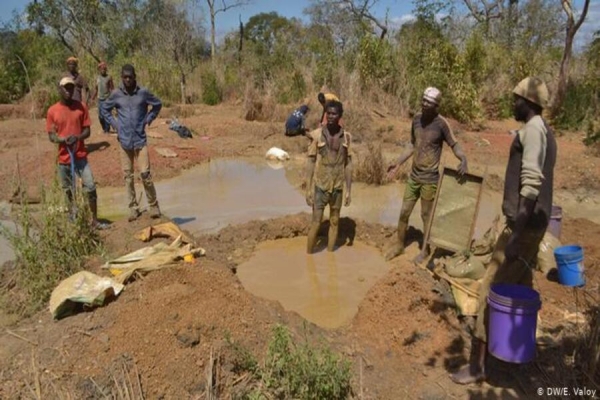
[
  {"x": 71, "y": 140},
  {"x": 392, "y": 171},
  {"x": 309, "y": 199},
  {"x": 462, "y": 167},
  {"x": 347, "y": 199}
]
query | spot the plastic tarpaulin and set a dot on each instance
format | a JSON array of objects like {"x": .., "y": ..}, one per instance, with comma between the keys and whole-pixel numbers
[{"x": 82, "y": 288}]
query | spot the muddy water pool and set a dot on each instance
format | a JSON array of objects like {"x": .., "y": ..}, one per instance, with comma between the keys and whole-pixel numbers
[
  {"x": 324, "y": 288},
  {"x": 211, "y": 196}
]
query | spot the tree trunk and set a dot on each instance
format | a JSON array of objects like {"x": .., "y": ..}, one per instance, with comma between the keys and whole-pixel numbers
[
  {"x": 212, "y": 35},
  {"x": 563, "y": 76},
  {"x": 183, "y": 93},
  {"x": 561, "y": 87}
]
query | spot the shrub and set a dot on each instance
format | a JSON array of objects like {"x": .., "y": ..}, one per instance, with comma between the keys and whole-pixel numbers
[
  {"x": 370, "y": 167},
  {"x": 294, "y": 370},
  {"x": 576, "y": 106},
  {"x": 303, "y": 372},
  {"x": 211, "y": 92}
]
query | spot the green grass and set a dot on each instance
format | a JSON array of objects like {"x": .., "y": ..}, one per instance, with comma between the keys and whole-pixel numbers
[
  {"x": 295, "y": 370},
  {"x": 49, "y": 247}
]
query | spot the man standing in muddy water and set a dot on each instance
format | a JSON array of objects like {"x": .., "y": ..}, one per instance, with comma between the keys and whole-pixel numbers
[
  {"x": 527, "y": 207},
  {"x": 329, "y": 168},
  {"x": 132, "y": 102},
  {"x": 428, "y": 133}
]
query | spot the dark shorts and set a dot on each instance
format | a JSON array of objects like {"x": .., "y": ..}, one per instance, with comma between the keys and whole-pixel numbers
[{"x": 333, "y": 199}]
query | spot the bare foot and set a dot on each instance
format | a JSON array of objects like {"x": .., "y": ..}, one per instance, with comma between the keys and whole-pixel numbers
[
  {"x": 393, "y": 252},
  {"x": 468, "y": 374}
]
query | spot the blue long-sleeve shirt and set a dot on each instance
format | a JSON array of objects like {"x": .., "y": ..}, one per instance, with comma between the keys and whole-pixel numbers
[{"x": 132, "y": 115}]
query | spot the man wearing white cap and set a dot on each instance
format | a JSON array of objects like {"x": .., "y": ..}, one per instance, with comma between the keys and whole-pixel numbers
[
  {"x": 68, "y": 125},
  {"x": 527, "y": 206},
  {"x": 428, "y": 133}
]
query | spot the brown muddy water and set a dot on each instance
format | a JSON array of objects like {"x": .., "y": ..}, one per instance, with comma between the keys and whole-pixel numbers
[
  {"x": 325, "y": 288},
  {"x": 225, "y": 192}
]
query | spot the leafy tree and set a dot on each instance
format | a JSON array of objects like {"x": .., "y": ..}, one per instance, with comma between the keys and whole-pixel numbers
[{"x": 77, "y": 23}]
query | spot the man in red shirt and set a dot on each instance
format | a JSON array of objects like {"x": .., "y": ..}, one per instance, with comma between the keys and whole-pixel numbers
[{"x": 68, "y": 125}]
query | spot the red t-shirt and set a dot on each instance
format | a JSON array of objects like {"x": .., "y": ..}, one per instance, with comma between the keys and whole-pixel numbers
[{"x": 67, "y": 120}]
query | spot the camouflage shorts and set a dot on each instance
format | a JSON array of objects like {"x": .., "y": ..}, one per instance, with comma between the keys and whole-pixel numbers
[{"x": 414, "y": 191}]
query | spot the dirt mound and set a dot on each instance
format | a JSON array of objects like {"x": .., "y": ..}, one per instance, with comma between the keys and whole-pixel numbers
[{"x": 163, "y": 328}]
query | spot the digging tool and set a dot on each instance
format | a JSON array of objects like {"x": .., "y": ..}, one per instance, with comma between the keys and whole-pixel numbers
[{"x": 73, "y": 183}]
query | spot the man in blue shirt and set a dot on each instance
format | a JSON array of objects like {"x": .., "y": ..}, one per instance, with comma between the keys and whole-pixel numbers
[
  {"x": 295, "y": 124},
  {"x": 131, "y": 102}
]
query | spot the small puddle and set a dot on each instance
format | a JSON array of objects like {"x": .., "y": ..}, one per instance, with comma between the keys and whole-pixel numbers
[{"x": 325, "y": 288}]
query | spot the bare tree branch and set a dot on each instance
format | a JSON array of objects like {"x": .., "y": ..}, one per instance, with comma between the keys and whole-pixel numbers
[
  {"x": 213, "y": 11},
  {"x": 362, "y": 12},
  {"x": 583, "y": 15},
  {"x": 225, "y": 6}
]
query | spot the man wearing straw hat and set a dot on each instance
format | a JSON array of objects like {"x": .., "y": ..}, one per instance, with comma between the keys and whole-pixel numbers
[
  {"x": 527, "y": 207},
  {"x": 428, "y": 133},
  {"x": 82, "y": 91}
]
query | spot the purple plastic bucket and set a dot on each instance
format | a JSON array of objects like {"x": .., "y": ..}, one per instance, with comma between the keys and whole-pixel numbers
[
  {"x": 555, "y": 223},
  {"x": 513, "y": 320}
]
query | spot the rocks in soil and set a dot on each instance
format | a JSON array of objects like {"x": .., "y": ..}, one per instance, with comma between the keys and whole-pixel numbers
[{"x": 188, "y": 337}]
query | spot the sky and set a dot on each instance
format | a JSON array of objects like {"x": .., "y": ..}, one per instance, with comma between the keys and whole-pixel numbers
[{"x": 398, "y": 11}]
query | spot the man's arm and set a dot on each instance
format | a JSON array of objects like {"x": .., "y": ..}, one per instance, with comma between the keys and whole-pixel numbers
[
  {"x": 85, "y": 133},
  {"x": 533, "y": 140},
  {"x": 404, "y": 156},
  {"x": 348, "y": 176},
  {"x": 156, "y": 105},
  {"x": 460, "y": 154},
  {"x": 311, "y": 162},
  {"x": 50, "y": 128},
  {"x": 110, "y": 85},
  {"x": 54, "y": 138},
  {"x": 457, "y": 149},
  {"x": 107, "y": 107},
  {"x": 95, "y": 95}
]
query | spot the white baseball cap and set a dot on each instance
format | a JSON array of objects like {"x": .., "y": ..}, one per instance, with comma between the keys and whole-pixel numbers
[{"x": 67, "y": 81}]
